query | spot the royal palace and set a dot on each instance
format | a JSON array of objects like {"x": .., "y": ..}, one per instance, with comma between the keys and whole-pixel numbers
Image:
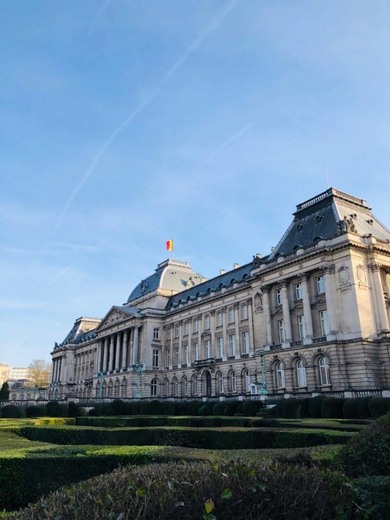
[{"x": 311, "y": 317}]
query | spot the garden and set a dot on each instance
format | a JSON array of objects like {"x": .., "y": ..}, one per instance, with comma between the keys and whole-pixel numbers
[{"x": 322, "y": 458}]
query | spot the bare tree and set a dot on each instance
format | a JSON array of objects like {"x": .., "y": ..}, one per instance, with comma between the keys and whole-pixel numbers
[{"x": 39, "y": 372}]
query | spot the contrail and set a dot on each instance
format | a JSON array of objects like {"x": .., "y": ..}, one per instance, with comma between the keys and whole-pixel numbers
[
  {"x": 237, "y": 135},
  {"x": 209, "y": 29}
]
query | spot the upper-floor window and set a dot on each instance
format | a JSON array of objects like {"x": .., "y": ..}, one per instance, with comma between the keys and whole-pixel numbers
[
  {"x": 281, "y": 331},
  {"x": 177, "y": 330},
  {"x": 207, "y": 321},
  {"x": 301, "y": 327},
  {"x": 244, "y": 311},
  {"x": 219, "y": 319},
  {"x": 278, "y": 296},
  {"x": 245, "y": 342},
  {"x": 207, "y": 349},
  {"x": 156, "y": 333},
  {"x": 320, "y": 284},
  {"x": 232, "y": 345},
  {"x": 231, "y": 315},
  {"x": 195, "y": 325},
  {"x": 196, "y": 351},
  {"x": 186, "y": 328},
  {"x": 220, "y": 347},
  {"x": 155, "y": 358},
  {"x": 167, "y": 357},
  {"x": 186, "y": 355},
  {"x": 298, "y": 291},
  {"x": 176, "y": 358},
  {"x": 324, "y": 323}
]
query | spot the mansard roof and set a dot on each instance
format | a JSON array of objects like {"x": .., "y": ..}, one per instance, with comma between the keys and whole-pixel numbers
[
  {"x": 83, "y": 329},
  {"x": 327, "y": 216},
  {"x": 171, "y": 276}
]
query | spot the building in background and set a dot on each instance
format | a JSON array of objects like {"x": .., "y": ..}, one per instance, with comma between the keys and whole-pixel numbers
[
  {"x": 311, "y": 317},
  {"x": 4, "y": 373}
]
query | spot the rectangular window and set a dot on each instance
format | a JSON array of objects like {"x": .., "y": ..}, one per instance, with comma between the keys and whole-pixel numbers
[
  {"x": 281, "y": 332},
  {"x": 244, "y": 311},
  {"x": 231, "y": 315},
  {"x": 155, "y": 358},
  {"x": 176, "y": 330},
  {"x": 298, "y": 291},
  {"x": 324, "y": 324},
  {"x": 245, "y": 342},
  {"x": 207, "y": 349},
  {"x": 219, "y": 319},
  {"x": 156, "y": 333},
  {"x": 176, "y": 359},
  {"x": 232, "y": 345},
  {"x": 207, "y": 321},
  {"x": 220, "y": 347},
  {"x": 196, "y": 351},
  {"x": 278, "y": 296},
  {"x": 195, "y": 325},
  {"x": 167, "y": 358},
  {"x": 301, "y": 327},
  {"x": 186, "y": 328},
  {"x": 320, "y": 284},
  {"x": 186, "y": 355}
]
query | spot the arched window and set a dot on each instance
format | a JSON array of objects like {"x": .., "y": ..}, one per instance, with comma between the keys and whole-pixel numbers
[
  {"x": 175, "y": 387},
  {"x": 124, "y": 388},
  {"x": 245, "y": 381},
  {"x": 194, "y": 385},
  {"x": 232, "y": 382},
  {"x": 219, "y": 383},
  {"x": 300, "y": 373},
  {"x": 184, "y": 386},
  {"x": 166, "y": 387},
  {"x": 324, "y": 371},
  {"x": 110, "y": 389},
  {"x": 104, "y": 389},
  {"x": 154, "y": 387},
  {"x": 116, "y": 389},
  {"x": 279, "y": 375}
]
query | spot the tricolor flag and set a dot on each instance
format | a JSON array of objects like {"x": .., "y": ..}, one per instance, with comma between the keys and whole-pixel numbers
[{"x": 169, "y": 245}]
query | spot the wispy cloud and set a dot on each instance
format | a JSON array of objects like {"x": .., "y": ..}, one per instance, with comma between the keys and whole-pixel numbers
[{"x": 195, "y": 44}]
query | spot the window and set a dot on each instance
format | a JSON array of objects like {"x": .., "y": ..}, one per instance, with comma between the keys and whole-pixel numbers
[
  {"x": 324, "y": 371},
  {"x": 324, "y": 324},
  {"x": 195, "y": 325},
  {"x": 219, "y": 319},
  {"x": 232, "y": 382},
  {"x": 207, "y": 349},
  {"x": 175, "y": 387},
  {"x": 245, "y": 342},
  {"x": 320, "y": 284},
  {"x": 207, "y": 321},
  {"x": 155, "y": 358},
  {"x": 186, "y": 355},
  {"x": 231, "y": 315},
  {"x": 301, "y": 327},
  {"x": 184, "y": 386},
  {"x": 176, "y": 358},
  {"x": 156, "y": 333},
  {"x": 298, "y": 291},
  {"x": 167, "y": 357},
  {"x": 220, "y": 347},
  {"x": 186, "y": 328},
  {"x": 194, "y": 385},
  {"x": 232, "y": 345},
  {"x": 154, "y": 387},
  {"x": 278, "y": 296},
  {"x": 246, "y": 381},
  {"x": 219, "y": 383},
  {"x": 169, "y": 333},
  {"x": 176, "y": 330},
  {"x": 166, "y": 387},
  {"x": 300, "y": 373},
  {"x": 279, "y": 375},
  {"x": 196, "y": 351},
  {"x": 244, "y": 311},
  {"x": 281, "y": 331}
]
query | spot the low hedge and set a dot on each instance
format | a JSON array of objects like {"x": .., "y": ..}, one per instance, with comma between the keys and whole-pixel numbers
[
  {"x": 237, "y": 438},
  {"x": 193, "y": 491}
]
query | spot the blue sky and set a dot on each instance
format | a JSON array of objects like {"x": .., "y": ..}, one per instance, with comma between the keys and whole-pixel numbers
[{"x": 126, "y": 123}]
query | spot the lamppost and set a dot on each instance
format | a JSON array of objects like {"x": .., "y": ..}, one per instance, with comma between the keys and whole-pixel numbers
[
  {"x": 100, "y": 376},
  {"x": 263, "y": 384},
  {"x": 137, "y": 369}
]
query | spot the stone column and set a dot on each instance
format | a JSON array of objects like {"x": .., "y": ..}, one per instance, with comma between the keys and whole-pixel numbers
[
  {"x": 378, "y": 299},
  {"x": 135, "y": 345},
  {"x": 252, "y": 347},
  {"x": 237, "y": 330},
  {"x": 224, "y": 334},
  {"x": 306, "y": 311},
  {"x": 124, "y": 350},
  {"x": 212, "y": 334},
  {"x": 111, "y": 354},
  {"x": 118, "y": 351},
  {"x": 286, "y": 315},
  {"x": 267, "y": 315},
  {"x": 330, "y": 298},
  {"x": 105, "y": 353}
]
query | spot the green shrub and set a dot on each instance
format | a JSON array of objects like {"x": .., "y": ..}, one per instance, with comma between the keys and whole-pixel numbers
[
  {"x": 180, "y": 408},
  {"x": 303, "y": 408},
  {"x": 374, "y": 496},
  {"x": 250, "y": 408},
  {"x": 277, "y": 409},
  {"x": 332, "y": 408},
  {"x": 12, "y": 411},
  {"x": 218, "y": 408},
  {"x": 193, "y": 491},
  {"x": 368, "y": 452},
  {"x": 168, "y": 408},
  {"x": 193, "y": 407},
  {"x": 230, "y": 407},
  {"x": 36, "y": 411},
  {"x": 118, "y": 407},
  {"x": 378, "y": 406},
  {"x": 362, "y": 407},
  {"x": 315, "y": 406},
  {"x": 289, "y": 408},
  {"x": 350, "y": 410},
  {"x": 206, "y": 409}
]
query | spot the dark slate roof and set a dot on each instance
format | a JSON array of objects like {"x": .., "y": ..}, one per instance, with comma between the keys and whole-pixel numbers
[
  {"x": 131, "y": 311},
  {"x": 326, "y": 216},
  {"x": 214, "y": 284}
]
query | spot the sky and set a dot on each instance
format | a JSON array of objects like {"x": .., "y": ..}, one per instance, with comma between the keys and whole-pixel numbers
[{"x": 126, "y": 123}]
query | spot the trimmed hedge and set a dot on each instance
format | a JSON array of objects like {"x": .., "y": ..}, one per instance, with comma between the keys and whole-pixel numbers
[{"x": 11, "y": 411}]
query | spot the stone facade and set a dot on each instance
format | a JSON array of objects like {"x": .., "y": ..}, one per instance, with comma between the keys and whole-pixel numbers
[{"x": 311, "y": 317}]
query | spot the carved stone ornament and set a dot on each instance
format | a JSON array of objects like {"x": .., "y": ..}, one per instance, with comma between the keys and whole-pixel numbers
[
  {"x": 361, "y": 275},
  {"x": 114, "y": 317},
  {"x": 343, "y": 277},
  {"x": 258, "y": 302}
]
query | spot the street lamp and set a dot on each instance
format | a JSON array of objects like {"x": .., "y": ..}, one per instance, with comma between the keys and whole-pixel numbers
[
  {"x": 263, "y": 384},
  {"x": 100, "y": 376},
  {"x": 137, "y": 369}
]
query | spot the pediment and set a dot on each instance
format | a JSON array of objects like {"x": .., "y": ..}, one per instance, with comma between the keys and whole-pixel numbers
[{"x": 114, "y": 316}]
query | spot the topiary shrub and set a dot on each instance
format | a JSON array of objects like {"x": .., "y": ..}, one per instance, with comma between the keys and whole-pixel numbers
[
  {"x": 289, "y": 408},
  {"x": 250, "y": 408},
  {"x": 73, "y": 410},
  {"x": 206, "y": 409},
  {"x": 118, "y": 407},
  {"x": 11, "y": 411},
  {"x": 36, "y": 411},
  {"x": 193, "y": 407},
  {"x": 230, "y": 407},
  {"x": 303, "y": 408},
  {"x": 180, "y": 408},
  {"x": 168, "y": 408},
  {"x": 350, "y": 410},
  {"x": 218, "y": 408},
  {"x": 362, "y": 407},
  {"x": 332, "y": 408},
  {"x": 368, "y": 453},
  {"x": 53, "y": 409},
  {"x": 378, "y": 406},
  {"x": 315, "y": 406}
]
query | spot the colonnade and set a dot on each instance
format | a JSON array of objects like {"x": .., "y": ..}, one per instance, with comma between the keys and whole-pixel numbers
[
  {"x": 119, "y": 351},
  {"x": 56, "y": 376}
]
